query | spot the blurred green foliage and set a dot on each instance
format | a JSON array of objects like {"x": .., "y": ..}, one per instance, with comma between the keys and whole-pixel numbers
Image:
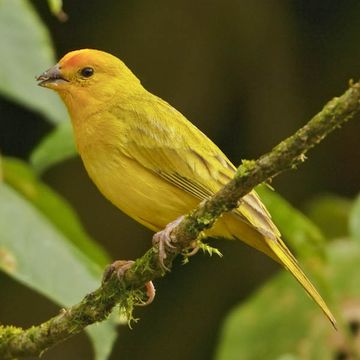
[
  {"x": 26, "y": 48},
  {"x": 21, "y": 178},
  {"x": 44, "y": 246},
  {"x": 331, "y": 214},
  {"x": 355, "y": 220},
  {"x": 260, "y": 328},
  {"x": 56, "y": 147},
  {"x": 42, "y": 243}
]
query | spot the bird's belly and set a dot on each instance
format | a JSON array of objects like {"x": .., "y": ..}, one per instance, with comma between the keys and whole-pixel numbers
[
  {"x": 137, "y": 191},
  {"x": 150, "y": 199}
]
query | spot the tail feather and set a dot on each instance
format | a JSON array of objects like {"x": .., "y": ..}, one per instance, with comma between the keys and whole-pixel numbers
[
  {"x": 289, "y": 262},
  {"x": 262, "y": 234}
]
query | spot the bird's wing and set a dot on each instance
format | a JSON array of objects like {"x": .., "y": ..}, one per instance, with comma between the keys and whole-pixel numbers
[{"x": 165, "y": 142}]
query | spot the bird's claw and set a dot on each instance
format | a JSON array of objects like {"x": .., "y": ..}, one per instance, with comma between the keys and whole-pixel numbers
[
  {"x": 119, "y": 267},
  {"x": 193, "y": 251},
  {"x": 150, "y": 292},
  {"x": 163, "y": 241}
]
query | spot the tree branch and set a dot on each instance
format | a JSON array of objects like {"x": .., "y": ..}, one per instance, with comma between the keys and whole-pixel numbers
[{"x": 96, "y": 306}]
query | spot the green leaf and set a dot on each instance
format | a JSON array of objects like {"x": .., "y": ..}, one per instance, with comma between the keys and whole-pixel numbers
[
  {"x": 103, "y": 337},
  {"x": 288, "y": 357},
  {"x": 35, "y": 253},
  {"x": 43, "y": 245},
  {"x": 299, "y": 232},
  {"x": 56, "y": 147},
  {"x": 21, "y": 177},
  {"x": 280, "y": 319},
  {"x": 56, "y": 7},
  {"x": 26, "y": 51},
  {"x": 263, "y": 327},
  {"x": 354, "y": 219},
  {"x": 331, "y": 214},
  {"x": 39, "y": 255}
]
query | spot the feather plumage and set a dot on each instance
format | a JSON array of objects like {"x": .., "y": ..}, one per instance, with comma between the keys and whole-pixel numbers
[{"x": 151, "y": 162}]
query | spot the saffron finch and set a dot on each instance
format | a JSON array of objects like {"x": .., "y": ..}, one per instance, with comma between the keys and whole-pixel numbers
[{"x": 150, "y": 161}]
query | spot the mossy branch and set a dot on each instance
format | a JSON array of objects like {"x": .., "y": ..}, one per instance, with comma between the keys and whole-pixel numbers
[{"x": 96, "y": 306}]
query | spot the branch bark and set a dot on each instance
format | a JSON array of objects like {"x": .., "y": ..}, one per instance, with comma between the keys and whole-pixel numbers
[{"x": 96, "y": 306}]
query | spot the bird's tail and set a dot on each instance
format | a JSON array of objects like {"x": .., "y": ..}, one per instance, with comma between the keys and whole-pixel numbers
[
  {"x": 252, "y": 223},
  {"x": 285, "y": 257}
]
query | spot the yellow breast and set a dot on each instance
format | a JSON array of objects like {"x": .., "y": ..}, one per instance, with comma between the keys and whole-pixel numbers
[{"x": 137, "y": 191}]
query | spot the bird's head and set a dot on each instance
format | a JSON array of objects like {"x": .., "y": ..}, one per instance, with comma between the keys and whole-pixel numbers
[{"x": 89, "y": 74}]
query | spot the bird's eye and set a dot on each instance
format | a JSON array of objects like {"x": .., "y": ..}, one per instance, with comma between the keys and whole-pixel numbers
[{"x": 87, "y": 72}]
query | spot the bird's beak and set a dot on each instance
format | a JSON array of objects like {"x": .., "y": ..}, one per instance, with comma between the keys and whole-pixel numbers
[{"x": 52, "y": 77}]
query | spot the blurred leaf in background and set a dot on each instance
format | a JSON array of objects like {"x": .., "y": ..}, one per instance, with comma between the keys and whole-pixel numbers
[
  {"x": 43, "y": 246},
  {"x": 56, "y": 147},
  {"x": 330, "y": 213},
  {"x": 26, "y": 50},
  {"x": 355, "y": 220},
  {"x": 56, "y": 7},
  {"x": 42, "y": 243},
  {"x": 279, "y": 322},
  {"x": 21, "y": 178}
]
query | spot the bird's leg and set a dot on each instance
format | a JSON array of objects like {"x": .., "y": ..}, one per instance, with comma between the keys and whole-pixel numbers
[
  {"x": 163, "y": 240},
  {"x": 119, "y": 267}
]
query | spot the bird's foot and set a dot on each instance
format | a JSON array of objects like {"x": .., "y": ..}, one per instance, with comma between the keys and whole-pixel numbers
[
  {"x": 190, "y": 251},
  {"x": 193, "y": 249},
  {"x": 163, "y": 241},
  {"x": 119, "y": 267}
]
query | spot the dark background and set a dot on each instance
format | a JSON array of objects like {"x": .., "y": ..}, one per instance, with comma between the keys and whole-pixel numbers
[{"x": 247, "y": 73}]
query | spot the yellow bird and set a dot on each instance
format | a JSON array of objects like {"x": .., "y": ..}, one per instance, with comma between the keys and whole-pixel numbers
[{"x": 149, "y": 160}]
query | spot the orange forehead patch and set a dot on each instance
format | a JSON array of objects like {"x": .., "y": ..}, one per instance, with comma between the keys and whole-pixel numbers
[{"x": 75, "y": 58}]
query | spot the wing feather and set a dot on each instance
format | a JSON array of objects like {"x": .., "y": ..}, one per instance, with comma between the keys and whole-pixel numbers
[{"x": 164, "y": 141}]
